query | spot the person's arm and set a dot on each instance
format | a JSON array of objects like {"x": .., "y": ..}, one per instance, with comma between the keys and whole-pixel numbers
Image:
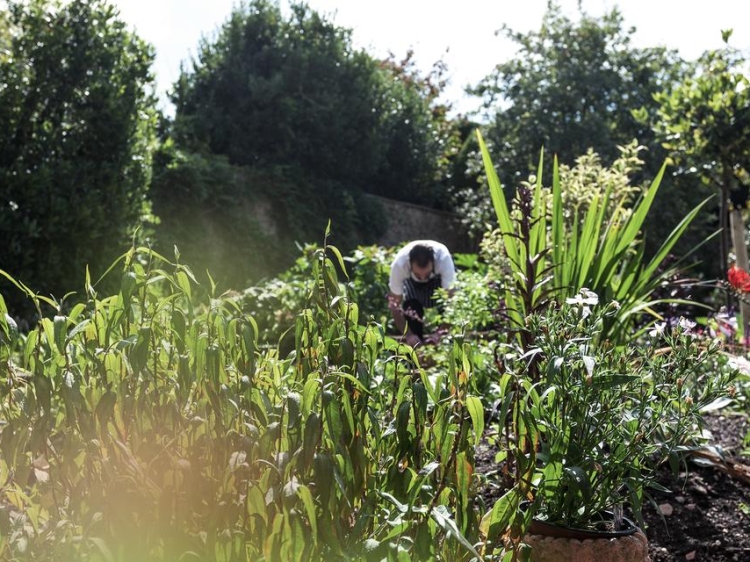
[{"x": 394, "y": 304}]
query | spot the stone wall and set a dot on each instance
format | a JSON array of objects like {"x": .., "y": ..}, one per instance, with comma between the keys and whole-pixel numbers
[{"x": 407, "y": 222}]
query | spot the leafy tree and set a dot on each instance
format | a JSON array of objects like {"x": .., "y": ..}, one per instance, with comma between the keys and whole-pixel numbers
[
  {"x": 289, "y": 97},
  {"x": 270, "y": 91},
  {"x": 572, "y": 86},
  {"x": 419, "y": 141},
  {"x": 705, "y": 123},
  {"x": 77, "y": 117}
]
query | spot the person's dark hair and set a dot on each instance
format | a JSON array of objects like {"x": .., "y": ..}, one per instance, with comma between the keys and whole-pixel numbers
[{"x": 421, "y": 255}]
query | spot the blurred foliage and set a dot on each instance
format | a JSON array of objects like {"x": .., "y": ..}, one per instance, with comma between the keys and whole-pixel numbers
[
  {"x": 240, "y": 223},
  {"x": 78, "y": 123},
  {"x": 152, "y": 424},
  {"x": 276, "y": 302},
  {"x": 571, "y": 87},
  {"x": 471, "y": 305},
  {"x": 369, "y": 270},
  {"x": 705, "y": 124}
]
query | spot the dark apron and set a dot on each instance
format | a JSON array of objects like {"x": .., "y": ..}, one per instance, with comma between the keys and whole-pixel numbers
[{"x": 422, "y": 292}]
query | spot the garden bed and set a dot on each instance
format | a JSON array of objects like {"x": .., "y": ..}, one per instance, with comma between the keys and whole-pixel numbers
[{"x": 710, "y": 510}]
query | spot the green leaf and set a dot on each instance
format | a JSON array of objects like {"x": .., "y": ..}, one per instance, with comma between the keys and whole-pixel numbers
[
  {"x": 102, "y": 547},
  {"x": 340, "y": 259},
  {"x": 105, "y": 407},
  {"x": 324, "y": 477},
  {"x": 476, "y": 411},
  {"x": 442, "y": 517},
  {"x": 184, "y": 283},
  {"x": 402, "y": 424},
  {"x": 293, "y": 402},
  {"x": 60, "y": 331}
]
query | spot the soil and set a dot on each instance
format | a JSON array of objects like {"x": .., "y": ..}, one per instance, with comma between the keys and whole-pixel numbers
[
  {"x": 710, "y": 510},
  {"x": 706, "y": 515}
]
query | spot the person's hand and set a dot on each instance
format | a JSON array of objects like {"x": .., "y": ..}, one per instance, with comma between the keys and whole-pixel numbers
[{"x": 435, "y": 336}]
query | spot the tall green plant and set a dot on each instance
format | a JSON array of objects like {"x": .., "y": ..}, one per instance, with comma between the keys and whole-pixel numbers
[
  {"x": 150, "y": 424},
  {"x": 598, "y": 250}
]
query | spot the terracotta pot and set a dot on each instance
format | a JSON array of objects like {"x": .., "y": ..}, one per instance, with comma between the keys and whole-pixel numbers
[
  {"x": 540, "y": 527},
  {"x": 559, "y": 544}
]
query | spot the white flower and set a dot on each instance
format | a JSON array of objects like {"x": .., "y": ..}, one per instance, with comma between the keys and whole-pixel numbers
[
  {"x": 584, "y": 299},
  {"x": 658, "y": 329},
  {"x": 686, "y": 325}
]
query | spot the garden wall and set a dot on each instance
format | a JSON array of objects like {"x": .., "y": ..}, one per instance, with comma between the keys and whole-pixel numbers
[{"x": 407, "y": 221}]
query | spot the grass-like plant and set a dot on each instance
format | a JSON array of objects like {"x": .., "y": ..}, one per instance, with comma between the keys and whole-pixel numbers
[{"x": 599, "y": 248}]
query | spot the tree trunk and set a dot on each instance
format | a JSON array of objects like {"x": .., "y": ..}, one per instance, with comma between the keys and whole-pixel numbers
[
  {"x": 725, "y": 239},
  {"x": 740, "y": 252}
]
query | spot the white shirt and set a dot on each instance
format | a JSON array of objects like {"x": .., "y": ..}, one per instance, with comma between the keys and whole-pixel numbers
[{"x": 401, "y": 268}]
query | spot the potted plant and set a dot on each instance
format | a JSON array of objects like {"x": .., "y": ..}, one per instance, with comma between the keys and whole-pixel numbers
[
  {"x": 603, "y": 418},
  {"x": 588, "y": 406}
]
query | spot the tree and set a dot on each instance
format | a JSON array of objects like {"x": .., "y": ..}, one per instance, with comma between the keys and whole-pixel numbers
[
  {"x": 572, "y": 87},
  {"x": 77, "y": 117},
  {"x": 289, "y": 97},
  {"x": 705, "y": 123},
  {"x": 419, "y": 141},
  {"x": 270, "y": 91}
]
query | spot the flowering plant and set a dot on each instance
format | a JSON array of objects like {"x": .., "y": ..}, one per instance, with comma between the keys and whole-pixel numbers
[
  {"x": 739, "y": 279},
  {"x": 728, "y": 323},
  {"x": 588, "y": 406},
  {"x": 607, "y": 416},
  {"x": 600, "y": 418}
]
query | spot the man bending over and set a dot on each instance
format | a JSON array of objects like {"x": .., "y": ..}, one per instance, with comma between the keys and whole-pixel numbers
[{"x": 418, "y": 269}]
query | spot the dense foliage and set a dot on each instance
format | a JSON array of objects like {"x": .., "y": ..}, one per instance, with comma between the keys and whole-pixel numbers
[
  {"x": 165, "y": 419},
  {"x": 705, "y": 124},
  {"x": 571, "y": 87},
  {"x": 150, "y": 424},
  {"x": 578, "y": 85},
  {"x": 77, "y": 123},
  {"x": 162, "y": 422},
  {"x": 588, "y": 408},
  {"x": 281, "y": 124},
  {"x": 272, "y": 90},
  {"x": 242, "y": 223},
  {"x": 550, "y": 246}
]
